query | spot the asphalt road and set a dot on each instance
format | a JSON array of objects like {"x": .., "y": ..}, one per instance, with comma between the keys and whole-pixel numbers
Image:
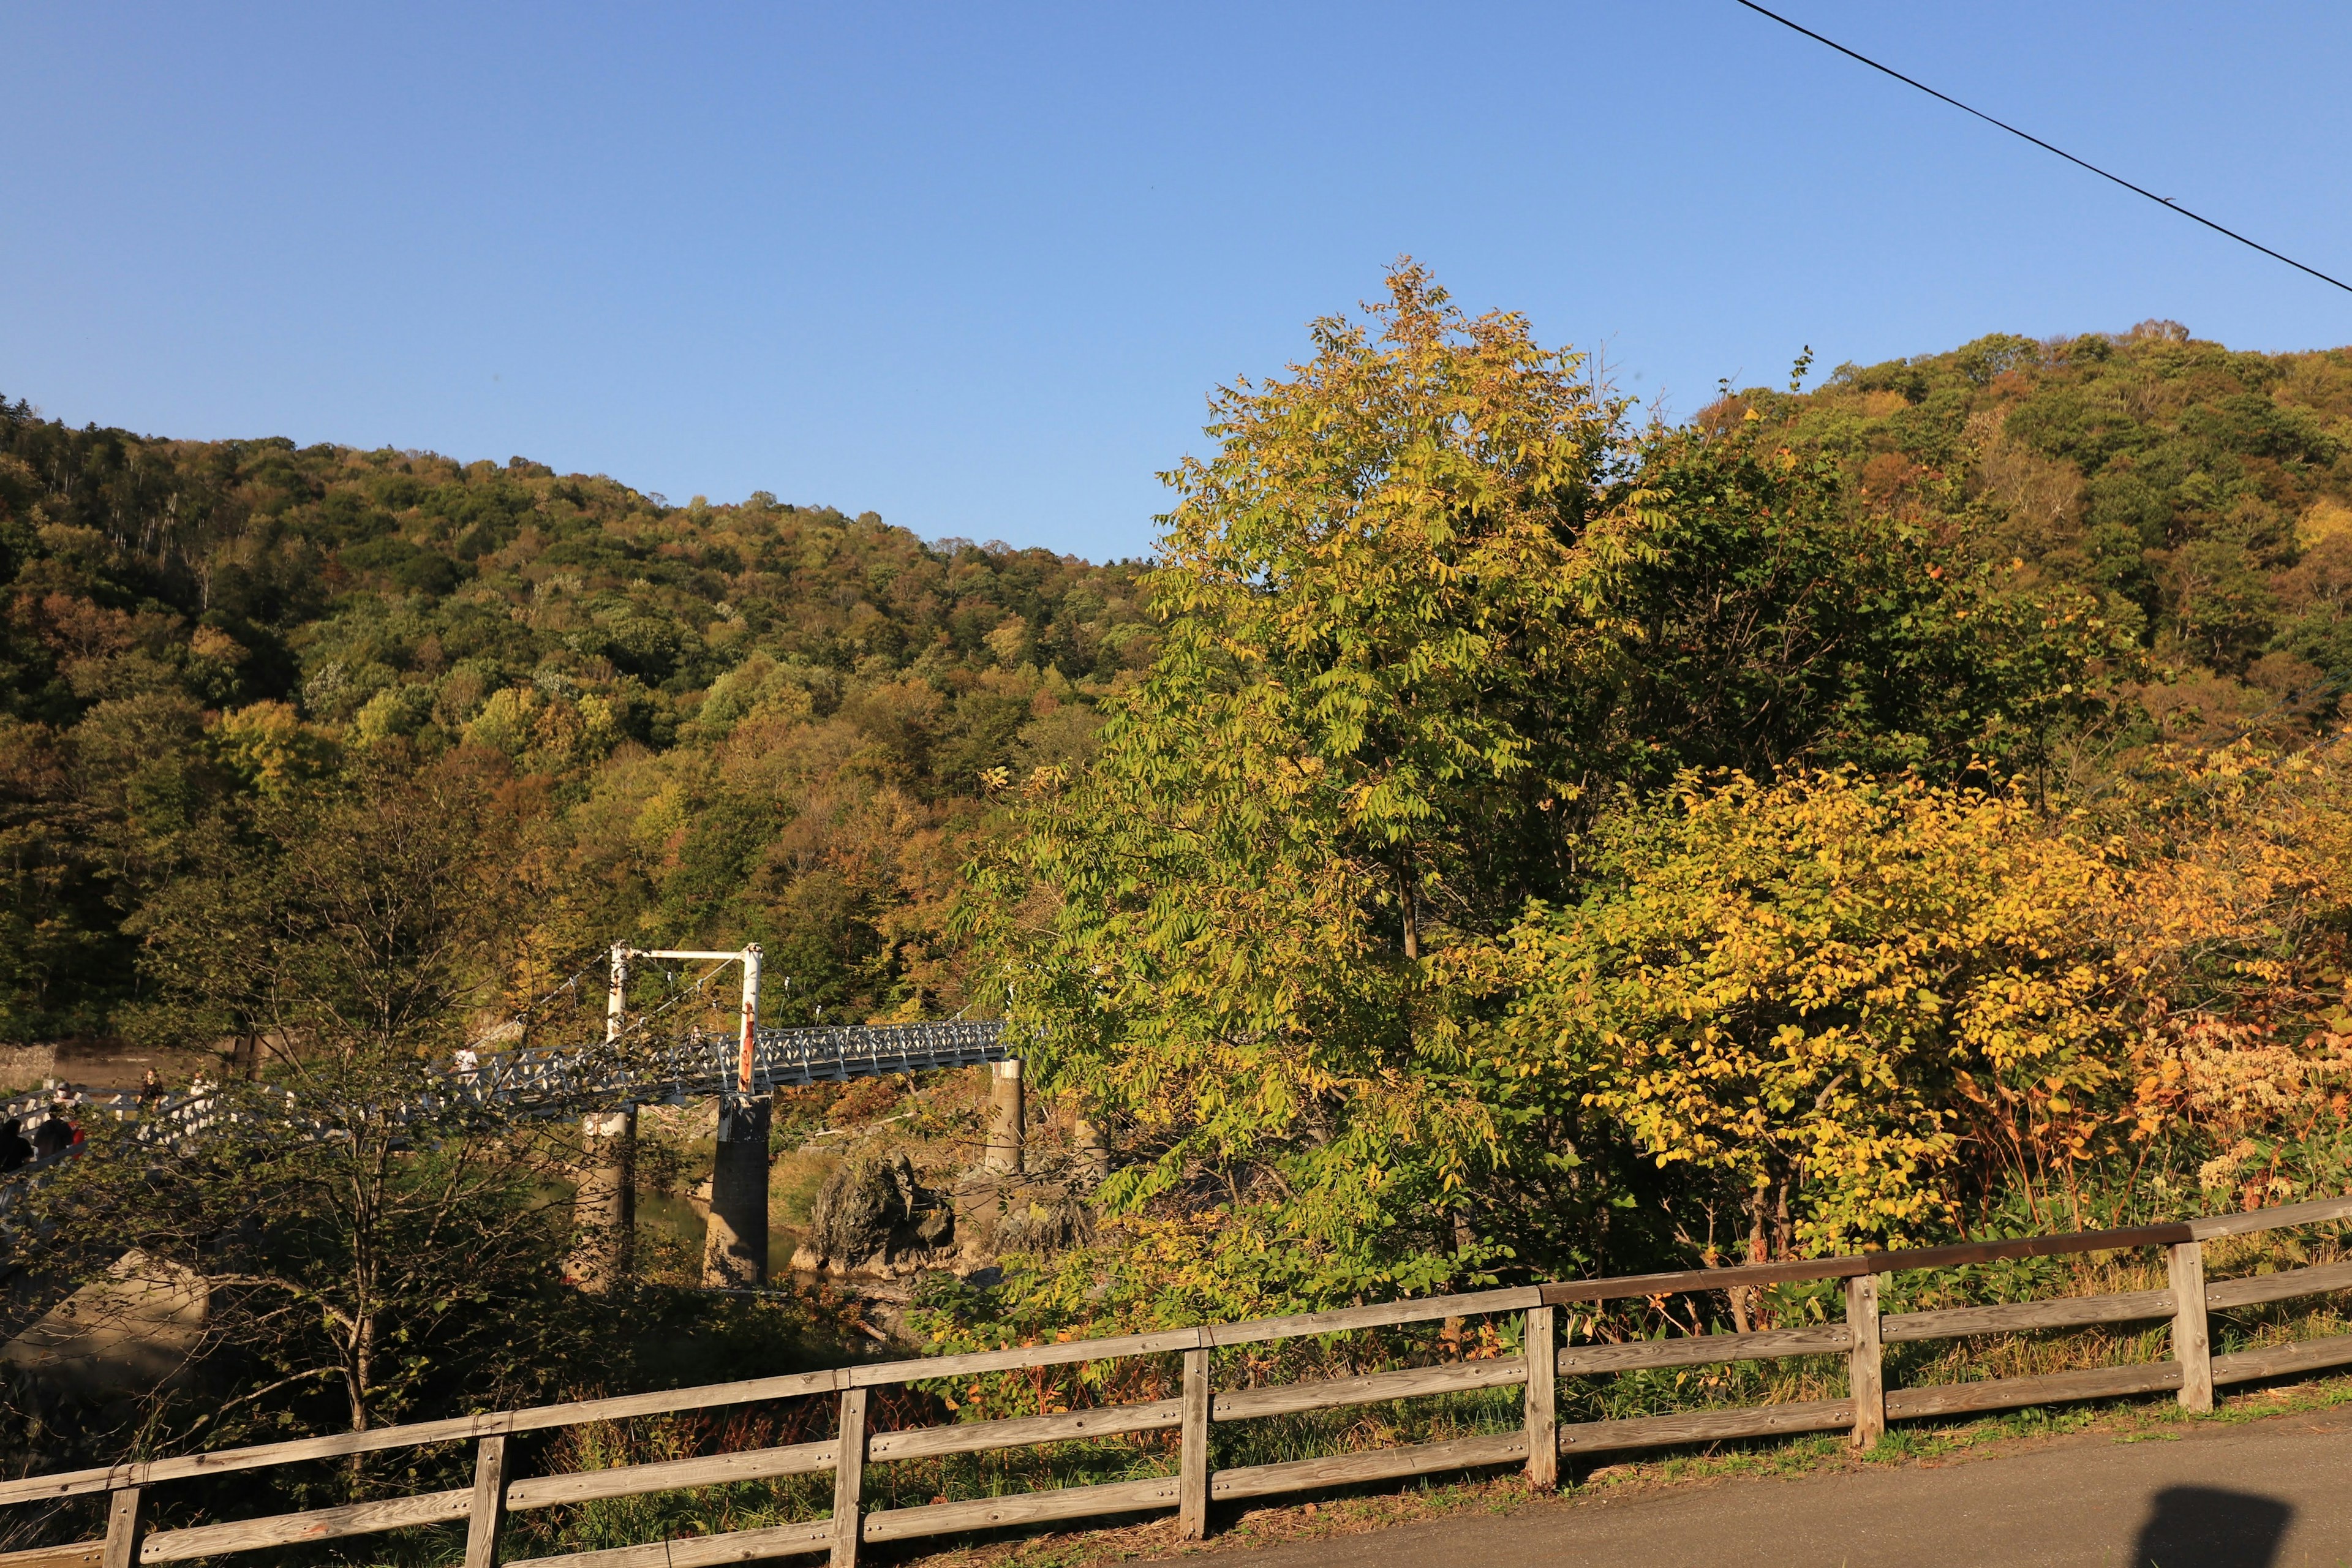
[{"x": 2275, "y": 1493}]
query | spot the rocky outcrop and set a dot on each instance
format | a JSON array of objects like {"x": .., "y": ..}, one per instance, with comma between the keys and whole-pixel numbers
[{"x": 874, "y": 1218}]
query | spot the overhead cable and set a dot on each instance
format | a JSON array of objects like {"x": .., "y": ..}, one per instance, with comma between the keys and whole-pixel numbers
[{"x": 2060, "y": 151}]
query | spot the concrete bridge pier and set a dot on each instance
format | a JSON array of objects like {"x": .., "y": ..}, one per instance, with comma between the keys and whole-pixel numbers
[
  {"x": 1093, "y": 1152},
  {"x": 1006, "y": 1112},
  {"x": 735, "y": 1241},
  {"x": 605, "y": 1205}
]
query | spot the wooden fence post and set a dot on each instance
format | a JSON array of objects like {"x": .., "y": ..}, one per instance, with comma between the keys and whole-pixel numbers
[
  {"x": 126, "y": 1527},
  {"x": 849, "y": 1480},
  {"x": 489, "y": 1512},
  {"x": 2191, "y": 1345},
  {"x": 1866, "y": 1361},
  {"x": 1193, "y": 1470},
  {"x": 1543, "y": 1410}
]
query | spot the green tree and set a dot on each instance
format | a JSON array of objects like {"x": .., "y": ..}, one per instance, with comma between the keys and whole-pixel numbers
[
  {"x": 1379, "y": 593},
  {"x": 363, "y": 1232},
  {"x": 1785, "y": 618}
]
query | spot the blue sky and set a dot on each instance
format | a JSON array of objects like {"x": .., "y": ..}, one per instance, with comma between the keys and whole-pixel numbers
[{"x": 976, "y": 267}]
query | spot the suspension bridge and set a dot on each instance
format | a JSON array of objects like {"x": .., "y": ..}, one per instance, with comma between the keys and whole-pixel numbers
[
  {"x": 553, "y": 1080},
  {"x": 607, "y": 1082}
]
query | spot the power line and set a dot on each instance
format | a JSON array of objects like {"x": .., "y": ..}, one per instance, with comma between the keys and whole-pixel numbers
[{"x": 2026, "y": 135}]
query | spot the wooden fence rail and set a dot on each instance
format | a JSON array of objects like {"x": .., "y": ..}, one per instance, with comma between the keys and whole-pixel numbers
[{"x": 1539, "y": 1442}]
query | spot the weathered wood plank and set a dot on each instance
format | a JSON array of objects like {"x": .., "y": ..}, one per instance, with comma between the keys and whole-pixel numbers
[
  {"x": 1384, "y": 1463},
  {"x": 671, "y": 1475},
  {"x": 1336, "y": 1393},
  {"x": 2011, "y": 1393},
  {"x": 849, "y": 1478},
  {"x": 2191, "y": 1346},
  {"x": 2069, "y": 1312},
  {"x": 1192, "y": 1465},
  {"x": 126, "y": 1528},
  {"x": 2280, "y": 1218},
  {"x": 700, "y": 1550},
  {"x": 319, "y": 1524},
  {"x": 456, "y": 1429},
  {"x": 1021, "y": 1507},
  {"x": 1541, "y": 1411},
  {"x": 1701, "y": 1349},
  {"x": 1066, "y": 1353},
  {"x": 1961, "y": 1254},
  {"x": 1864, "y": 1367},
  {"x": 1626, "y": 1287},
  {"x": 2256, "y": 1289},
  {"x": 1342, "y": 1320},
  {"x": 487, "y": 1513},
  {"x": 2245, "y": 1366},
  {"x": 74, "y": 1554},
  {"x": 1020, "y": 1431},
  {"x": 1424, "y": 1309},
  {"x": 1705, "y": 1426}
]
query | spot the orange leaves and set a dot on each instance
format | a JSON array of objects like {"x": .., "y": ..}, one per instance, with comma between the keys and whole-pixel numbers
[{"x": 2230, "y": 1079}]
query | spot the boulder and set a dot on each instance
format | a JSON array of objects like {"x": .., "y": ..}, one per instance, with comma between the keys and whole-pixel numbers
[{"x": 874, "y": 1216}]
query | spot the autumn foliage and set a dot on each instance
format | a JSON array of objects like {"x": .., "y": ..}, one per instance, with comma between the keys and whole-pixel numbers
[{"x": 1544, "y": 845}]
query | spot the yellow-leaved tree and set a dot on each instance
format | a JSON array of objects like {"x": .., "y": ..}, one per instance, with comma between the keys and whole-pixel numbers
[{"x": 1819, "y": 998}]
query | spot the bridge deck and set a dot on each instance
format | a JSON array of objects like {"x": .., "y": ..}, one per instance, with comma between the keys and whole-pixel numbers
[{"x": 556, "y": 1081}]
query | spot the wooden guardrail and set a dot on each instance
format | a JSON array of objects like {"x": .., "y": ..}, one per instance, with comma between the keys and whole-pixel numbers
[{"x": 1539, "y": 1442}]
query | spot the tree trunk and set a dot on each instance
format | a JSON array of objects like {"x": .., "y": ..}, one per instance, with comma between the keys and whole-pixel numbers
[
  {"x": 1411, "y": 920},
  {"x": 363, "y": 1366},
  {"x": 1747, "y": 1301}
]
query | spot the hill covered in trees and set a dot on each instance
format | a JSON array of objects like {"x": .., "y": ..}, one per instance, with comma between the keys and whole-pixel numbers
[
  {"x": 2206, "y": 495},
  {"x": 739, "y": 722},
  {"x": 1491, "y": 840},
  {"x": 765, "y": 722}
]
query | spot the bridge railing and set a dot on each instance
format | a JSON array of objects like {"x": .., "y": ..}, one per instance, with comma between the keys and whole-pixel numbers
[{"x": 1195, "y": 1485}]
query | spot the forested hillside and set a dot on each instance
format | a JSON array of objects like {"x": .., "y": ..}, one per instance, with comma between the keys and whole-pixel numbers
[
  {"x": 717, "y": 723},
  {"x": 1492, "y": 840},
  {"x": 2205, "y": 494},
  {"x": 1546, "y": 847},
  {"x": 764, "y": 721}
]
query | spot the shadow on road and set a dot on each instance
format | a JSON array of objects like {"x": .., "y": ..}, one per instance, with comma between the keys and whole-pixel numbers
[{"x": 2205, "y": 1527}]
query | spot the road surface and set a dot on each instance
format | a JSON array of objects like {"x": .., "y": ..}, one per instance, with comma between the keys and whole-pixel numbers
[{"x": 2275, "y": 1493}]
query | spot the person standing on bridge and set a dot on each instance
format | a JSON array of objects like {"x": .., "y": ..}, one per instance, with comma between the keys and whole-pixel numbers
[
  {"x": 468, "y": 1066},
  {"x": 54, "y": 1135},
  {"x": 13, "y": 1150},
  {"x": 151, "y": 1092}
]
